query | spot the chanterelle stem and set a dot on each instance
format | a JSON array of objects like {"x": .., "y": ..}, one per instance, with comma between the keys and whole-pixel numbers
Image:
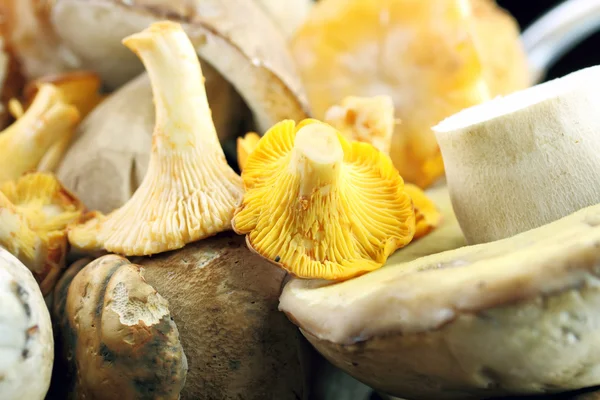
[
  {"x": 317, "y": 157},
  {"x": 181, "y": 104}
]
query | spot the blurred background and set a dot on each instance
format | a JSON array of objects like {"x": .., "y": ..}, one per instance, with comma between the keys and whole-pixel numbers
[{"x": 584, "y": 55}]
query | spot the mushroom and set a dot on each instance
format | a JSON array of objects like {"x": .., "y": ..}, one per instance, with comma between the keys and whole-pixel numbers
[
  {"x": 189, "y": 192},
  {"x": 427, "y": 55},
  {"x": 34, "y": 213},
  {"x": 515, "y": 316},
  {"x": 255, "y": 61},
  {"x": 116, "y": 333},
  {"x": 320, "y": 206},
  {"x": 24, "y": 143},
  {"x": 80, "y": 89},
  {"x": 27, "y": 344},
  {"x": 524, "y": 160},
  {"x": 224, "y": 301}
]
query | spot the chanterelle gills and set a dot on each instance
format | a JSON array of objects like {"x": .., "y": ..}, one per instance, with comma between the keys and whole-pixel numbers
[
  {"x": 34, "y": 213},
  {"x": 321, "y": 206},
  {"x": 189, "y": 192},
  {"x": 371, "y": 120},
  {"x": 25, "y": 142}
]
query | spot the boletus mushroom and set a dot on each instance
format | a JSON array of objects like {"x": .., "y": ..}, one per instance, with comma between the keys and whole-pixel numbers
[
  {"x": 514, "y": 316},
  {"x": 27, "y": 344},
  {"x": 224, "y": 300},
  {"x": 255, "y": 61},
  {"x": 116, "y": 334},
  {"x": 433, "y": 57},
  {"x": 537, "y": 147},
  {"x": 189, "y": 191},
  {"x": 35, "y": 211}
]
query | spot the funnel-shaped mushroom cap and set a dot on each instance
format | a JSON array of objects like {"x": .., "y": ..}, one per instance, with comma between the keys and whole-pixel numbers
[
  {"x": 24, "y": 143},
  {"x": 189, "y": 191},
  {"x": 366, "y": 119},
  {"x": 320, "y": 206},
  {"x": 34, "y": 214}
]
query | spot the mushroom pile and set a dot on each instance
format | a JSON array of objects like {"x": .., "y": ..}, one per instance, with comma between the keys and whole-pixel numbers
[{"x": 193, "y": 193}]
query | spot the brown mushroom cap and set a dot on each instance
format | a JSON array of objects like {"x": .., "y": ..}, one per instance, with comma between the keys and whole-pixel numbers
[
  {"x": 236, "y": 36},
  {"x": 512, "y": 316},
  {"x": 224, "y": 300},
  {"x": 117, "y": 333}
]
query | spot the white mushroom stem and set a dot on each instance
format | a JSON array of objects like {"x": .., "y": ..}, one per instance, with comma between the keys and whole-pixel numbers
[
  {"x": 316, "y": 158},
  {"x": 178, "y": 88},
  {"x": 521, "y": 161}
]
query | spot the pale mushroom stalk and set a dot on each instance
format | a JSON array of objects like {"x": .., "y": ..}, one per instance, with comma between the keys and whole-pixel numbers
[
  {"x": 316, "y": 159},
  {"x": 189, "y": 192},
  {"x": 25, "y": 142}
]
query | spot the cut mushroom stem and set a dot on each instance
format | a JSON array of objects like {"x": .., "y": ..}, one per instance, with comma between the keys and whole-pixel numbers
[
  {"x": 24, "y": 143},
  {"x": 316, "y": 158},
  {"x": 189, "y": 192}
]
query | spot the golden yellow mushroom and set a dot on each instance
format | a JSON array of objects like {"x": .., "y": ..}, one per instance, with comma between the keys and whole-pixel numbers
[
  {"x": 321, "y": 206},
  {"x": 189, "y": 192},
  {"x": 25, "y": 142},
  {"x": 80, "y": 89},
  {"x": 371, "y": 120},
  {"x": 34, "y": 213},
  {"x": 245, "y": 146},
  {"x": 432, "y": 57}
]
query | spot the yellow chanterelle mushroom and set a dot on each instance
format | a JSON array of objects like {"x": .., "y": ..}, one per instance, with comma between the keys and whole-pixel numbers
[
  {"x": 24, "y": 143},
  {"x": 189, "y": 191},
  {"x": 321, "y": 206},
  {"x": 80, "y": 89},
  {"x": 433, "y": 57},
  {"x": 34, "y": 213}
]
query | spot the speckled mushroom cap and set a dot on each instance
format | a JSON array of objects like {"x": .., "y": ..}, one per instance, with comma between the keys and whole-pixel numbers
[
  {"x": 517, "y": 315},
  {"x": 117, "y": 333},
  {"x": 189, "y": 192},
  {"x": 321, "y": 206},
  {"x": 26, "y": 342}
]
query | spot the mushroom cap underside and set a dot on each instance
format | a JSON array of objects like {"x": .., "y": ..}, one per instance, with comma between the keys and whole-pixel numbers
[{"x": 517, "y": 315}]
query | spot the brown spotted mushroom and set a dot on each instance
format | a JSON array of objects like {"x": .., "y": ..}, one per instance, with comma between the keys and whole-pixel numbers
[{"x": 116, "y": 334}]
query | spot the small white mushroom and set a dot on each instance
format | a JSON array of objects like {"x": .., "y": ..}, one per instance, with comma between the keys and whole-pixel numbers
[{"x": 26, "y": 342}]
